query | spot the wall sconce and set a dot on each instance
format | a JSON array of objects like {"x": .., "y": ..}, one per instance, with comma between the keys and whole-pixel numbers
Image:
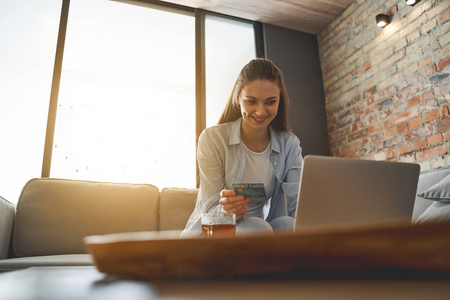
[
  {"x": 382, "y": 20},
  {"x": 412, "y": 2}
]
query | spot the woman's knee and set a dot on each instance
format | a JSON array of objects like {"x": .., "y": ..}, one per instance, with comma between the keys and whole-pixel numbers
[
  {"x": 253, "y": 224},
  {"x": 284, "y": 223}
]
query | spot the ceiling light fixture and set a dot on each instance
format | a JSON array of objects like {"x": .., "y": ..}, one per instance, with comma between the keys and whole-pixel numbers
[{"x": 382, "y": 20}]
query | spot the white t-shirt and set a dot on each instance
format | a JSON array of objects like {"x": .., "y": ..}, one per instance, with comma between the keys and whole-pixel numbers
[{"x": 259, "y": 169}]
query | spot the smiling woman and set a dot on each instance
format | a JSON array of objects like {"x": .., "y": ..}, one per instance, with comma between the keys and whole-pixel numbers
[{"x": 251, "y": 145}]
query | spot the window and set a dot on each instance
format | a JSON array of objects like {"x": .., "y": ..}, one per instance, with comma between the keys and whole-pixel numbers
[
  {"x": 28, "y": 36},
  {"x": 126, "y": 102},
  {"x": 126, "y": 108},
  {"x": 230, "y": 44}
]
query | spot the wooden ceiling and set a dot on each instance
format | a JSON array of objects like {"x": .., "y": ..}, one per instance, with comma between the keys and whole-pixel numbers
[{"x": 308, "y": 16}]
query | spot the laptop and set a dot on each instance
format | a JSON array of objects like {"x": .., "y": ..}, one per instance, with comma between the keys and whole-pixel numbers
[{"x": 341, "y": 191}]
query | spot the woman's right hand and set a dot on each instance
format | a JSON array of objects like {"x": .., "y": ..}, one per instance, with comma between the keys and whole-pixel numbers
[{"x": 233, "y": 203}]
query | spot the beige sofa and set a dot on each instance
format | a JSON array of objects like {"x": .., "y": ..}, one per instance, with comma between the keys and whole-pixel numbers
[{"x": 52, "y": 216}]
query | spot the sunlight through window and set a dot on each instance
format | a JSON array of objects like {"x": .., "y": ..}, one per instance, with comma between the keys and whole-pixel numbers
[
  {"x": 28, "y": 36},
  {"x": 126, "y": 109},
  {"x": 230, "y": 44}
]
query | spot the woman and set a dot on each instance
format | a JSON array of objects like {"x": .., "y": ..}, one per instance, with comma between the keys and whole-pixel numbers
[{"x": 251, "y": 144}]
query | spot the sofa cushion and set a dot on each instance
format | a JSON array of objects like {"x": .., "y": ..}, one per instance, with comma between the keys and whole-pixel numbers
[
  {"x": 438, "y": 192},
  {"x": 177, "y": 205},
  {"x": 438, "y": 211},
  {"x": 53, "y": 215}
]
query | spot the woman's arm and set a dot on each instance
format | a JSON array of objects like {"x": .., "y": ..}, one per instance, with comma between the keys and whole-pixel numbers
[
  {"x": 210, "y": 160},
  {"x": 212, "y": 180},
  {"x": 292, "y": 179}
]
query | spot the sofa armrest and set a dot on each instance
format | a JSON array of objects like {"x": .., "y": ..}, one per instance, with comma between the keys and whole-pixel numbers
[{"x": 7, "y": 213}]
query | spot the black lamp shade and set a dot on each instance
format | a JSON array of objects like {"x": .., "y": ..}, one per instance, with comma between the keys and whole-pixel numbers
[{"x": 382, "y": 20}]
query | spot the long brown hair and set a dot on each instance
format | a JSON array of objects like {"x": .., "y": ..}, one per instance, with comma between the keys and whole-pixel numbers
[{"x": 262, "y": 69}]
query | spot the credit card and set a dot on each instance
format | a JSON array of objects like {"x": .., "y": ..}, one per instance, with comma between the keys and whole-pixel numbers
[{"x": 251, "y": 190}]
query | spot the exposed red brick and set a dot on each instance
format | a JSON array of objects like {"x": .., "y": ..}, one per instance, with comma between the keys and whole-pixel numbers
[
  {"x": 357, "y": 72},
  {"x": 419, "y": 132},
  {"x": 430, "y": 70},
  {"x": 376, "y": 127},
  {"x": 436, "y": 151},
  {"x": 414, "y": 80},
  {"x": 430, "y": 116},
  {"x": 443, "y": 124},
  {"x": 391, "y": 153},
  {"x": 434, "y": 139},
  {"x": 416, "y": 122},
  {"x": 395, "y": 101},
  {"x": 351, "y": 154},
  {"x": 377, "y": 137},
  {"x": 408, "y": 92},
  {"x": 424, "y": 62},
  {"x": 443, "y": 63},
  {"x": 357, "y": 135},
  {"x": 447, "y": 135},
  {"x": 369, "y": 92},
  {"x": 396, "y": 78},
  {"x": 445, "y": 16},
  {"x": 392, "y": 91},
  {"x": 328, "y": 67},
  {"x": 338, "y": 143},
  {"x": 407, "y": 115},
  {"x": 445, "y": 111},
  {"x": 413, "y": 101},
  {"x": 422, "y": 144},
  {"x": 386, "y": 113},
  {"x": 402, "y": 127},
  {"x": 390, "y": 132},
  {"x": 351, "y": 147},
  {"x": 428, "y": 95},
  {"x": 443, "y": 89},
  {"x": 406, "y": 148}
]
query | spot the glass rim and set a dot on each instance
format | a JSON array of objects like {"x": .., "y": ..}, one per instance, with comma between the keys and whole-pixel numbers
[{"x": 218, "y": 214}]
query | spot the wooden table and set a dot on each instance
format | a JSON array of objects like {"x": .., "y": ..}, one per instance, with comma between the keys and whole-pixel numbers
[
  {"x": 74, "y": 283},
  {"x": 70, "y": 283}
]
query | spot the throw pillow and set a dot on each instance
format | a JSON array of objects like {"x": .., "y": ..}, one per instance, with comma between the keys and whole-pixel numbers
[
  {"x": 438, "y": 211},
  {"x": 438, "y": 192}
]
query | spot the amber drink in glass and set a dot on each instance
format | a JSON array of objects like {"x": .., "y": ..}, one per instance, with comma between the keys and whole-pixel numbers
[{"x": 218, "y": 225}]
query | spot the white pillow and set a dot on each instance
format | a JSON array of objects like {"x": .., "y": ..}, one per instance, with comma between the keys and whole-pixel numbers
[
  {"x": 438, "y": 211},
  {"x": 438, "y": 192}
]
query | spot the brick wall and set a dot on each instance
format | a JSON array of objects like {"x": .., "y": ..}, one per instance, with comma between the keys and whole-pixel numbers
[{"x": 387, "y": 90}]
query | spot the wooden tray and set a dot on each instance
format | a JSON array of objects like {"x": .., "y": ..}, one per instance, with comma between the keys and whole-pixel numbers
[{"x": 377, "y": 249}]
